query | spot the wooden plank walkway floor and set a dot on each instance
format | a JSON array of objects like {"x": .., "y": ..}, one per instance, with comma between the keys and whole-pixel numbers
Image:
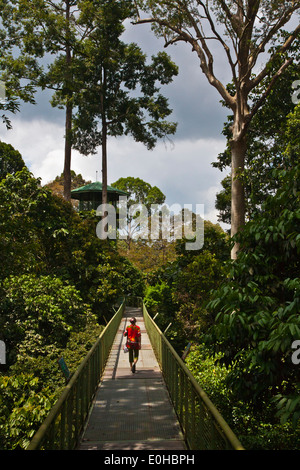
[{"x": 132, "y": 411}]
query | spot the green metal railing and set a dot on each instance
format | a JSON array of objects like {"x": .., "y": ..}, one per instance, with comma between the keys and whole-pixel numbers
[
  {"x": 64, "y": 424},
  {"x": 202, "y": 424}
]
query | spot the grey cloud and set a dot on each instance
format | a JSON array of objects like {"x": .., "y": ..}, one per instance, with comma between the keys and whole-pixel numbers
[{"x": 195, "y": 103}]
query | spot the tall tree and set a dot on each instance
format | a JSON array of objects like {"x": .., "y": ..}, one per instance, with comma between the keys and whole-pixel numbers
[
  {"x": 266, "y": 143},
  {"x": 120, "y": 96},
  {"x": 91, "y": 71},
  {"x": 244, "y": 29},
  {"x": 257, "y": 308},
  {"x": 47, "y": 28},
  {"x": 54, "y": 30},
  {"x": 68, "y": 86}
]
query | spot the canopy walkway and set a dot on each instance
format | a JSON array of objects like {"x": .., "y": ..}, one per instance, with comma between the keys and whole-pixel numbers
[{"x": 159, "y": 407}]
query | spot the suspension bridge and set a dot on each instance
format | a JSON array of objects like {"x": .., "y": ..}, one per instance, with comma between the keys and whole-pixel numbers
[{"x": 105, "y": 406}]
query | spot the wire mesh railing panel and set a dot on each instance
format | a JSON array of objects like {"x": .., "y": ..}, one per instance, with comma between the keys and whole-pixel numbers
[
  {"x": 202, "y": 424},
  {"x": 62, "y": 427}
]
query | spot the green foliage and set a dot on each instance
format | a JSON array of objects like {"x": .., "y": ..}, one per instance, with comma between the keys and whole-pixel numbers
[
  {"x": 158, "y": 299},
  {"x": 57, "y": 185},
  {"x": 98, "y": 77},
  {"x": 200, "y": 276},
  {"x": 11, "y": 160},
  {"x": 192, "y": 289},
  {"x": 257, "y": 429},
  {"x": 211, "y": 376},
  {"x": 111, "y": 279},
  {"x": 216, "y": 241},
  {"x": 148, "y": 256},
  {"x": 17, "y": 212},
  {"x": 140, "y": 195},
  {"x": 140, "y": 192},
  {"x": 160, "y": 302},
  {"x": 45, "y": 366},
  {"x": 80, "y": 342},
  {"x": 111, "y": 73},
  {"x": 19, "y": 68},
  {"x": 26, "y": 398},
  {"x": 38, "y": 313},
  {"x": 257, "y": 310},
  {"x": 58, "y": 282},
  {"x": 50, "y": 237},
  {"x": 268, "y": 137},
  {"x": 180, "y": 290},
  {"x": 40, "y": 223},
  {"x": 24, "y": 406}
]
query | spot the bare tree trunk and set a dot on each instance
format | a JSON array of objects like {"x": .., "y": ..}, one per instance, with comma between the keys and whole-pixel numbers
[
  {"x": 238, "y": 153},
  {"x": 104, "y": 137},
  {"x": 69, "y": 109},
  {"x": 104, "y": 161},
  {"x": 104, "y": 149},
  {"x": 68, "y": 151}
]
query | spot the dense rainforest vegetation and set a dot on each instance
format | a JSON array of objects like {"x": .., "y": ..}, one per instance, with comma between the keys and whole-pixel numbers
[{"x": 60, "y": 284}]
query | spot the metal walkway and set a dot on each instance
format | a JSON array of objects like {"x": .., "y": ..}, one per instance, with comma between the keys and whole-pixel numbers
[{"x": 132, "y": 411}]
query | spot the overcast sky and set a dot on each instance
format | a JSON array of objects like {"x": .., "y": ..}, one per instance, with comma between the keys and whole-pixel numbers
[{"x": 181, "y": 169}]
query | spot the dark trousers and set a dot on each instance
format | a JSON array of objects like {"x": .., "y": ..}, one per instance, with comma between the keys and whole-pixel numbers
[{"x": 133, "y": 353}]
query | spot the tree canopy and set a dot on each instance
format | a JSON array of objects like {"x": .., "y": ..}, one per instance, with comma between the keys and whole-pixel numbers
[
  {"x": 243, "y": 30},
  {"x": 140, "y": 193},
  {"x": 120, "y": 93},
  {"x": 11, "y": 160},
  {"x": 267, "y": 141}
]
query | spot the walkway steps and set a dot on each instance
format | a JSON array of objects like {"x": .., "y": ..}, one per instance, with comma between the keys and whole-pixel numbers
[{"x": 132, "y": 411}]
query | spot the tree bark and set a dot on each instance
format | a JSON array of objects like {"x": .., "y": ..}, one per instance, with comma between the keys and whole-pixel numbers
[
  {"x": 69, "y": 110},
  {"x": 104, "y": 161},
  {"x": 68, "y": 152},
  {"x": 238, "y": 153},
  {"x": 104, "y": 149},
  {"x": 104, "y": 137}
]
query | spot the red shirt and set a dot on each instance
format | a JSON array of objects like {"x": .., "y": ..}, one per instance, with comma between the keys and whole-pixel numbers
[{"x": 133, "y": 333}]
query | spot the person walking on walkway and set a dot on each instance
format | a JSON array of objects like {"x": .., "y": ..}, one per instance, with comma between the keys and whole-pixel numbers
[{"x": 133, "y": 333}]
